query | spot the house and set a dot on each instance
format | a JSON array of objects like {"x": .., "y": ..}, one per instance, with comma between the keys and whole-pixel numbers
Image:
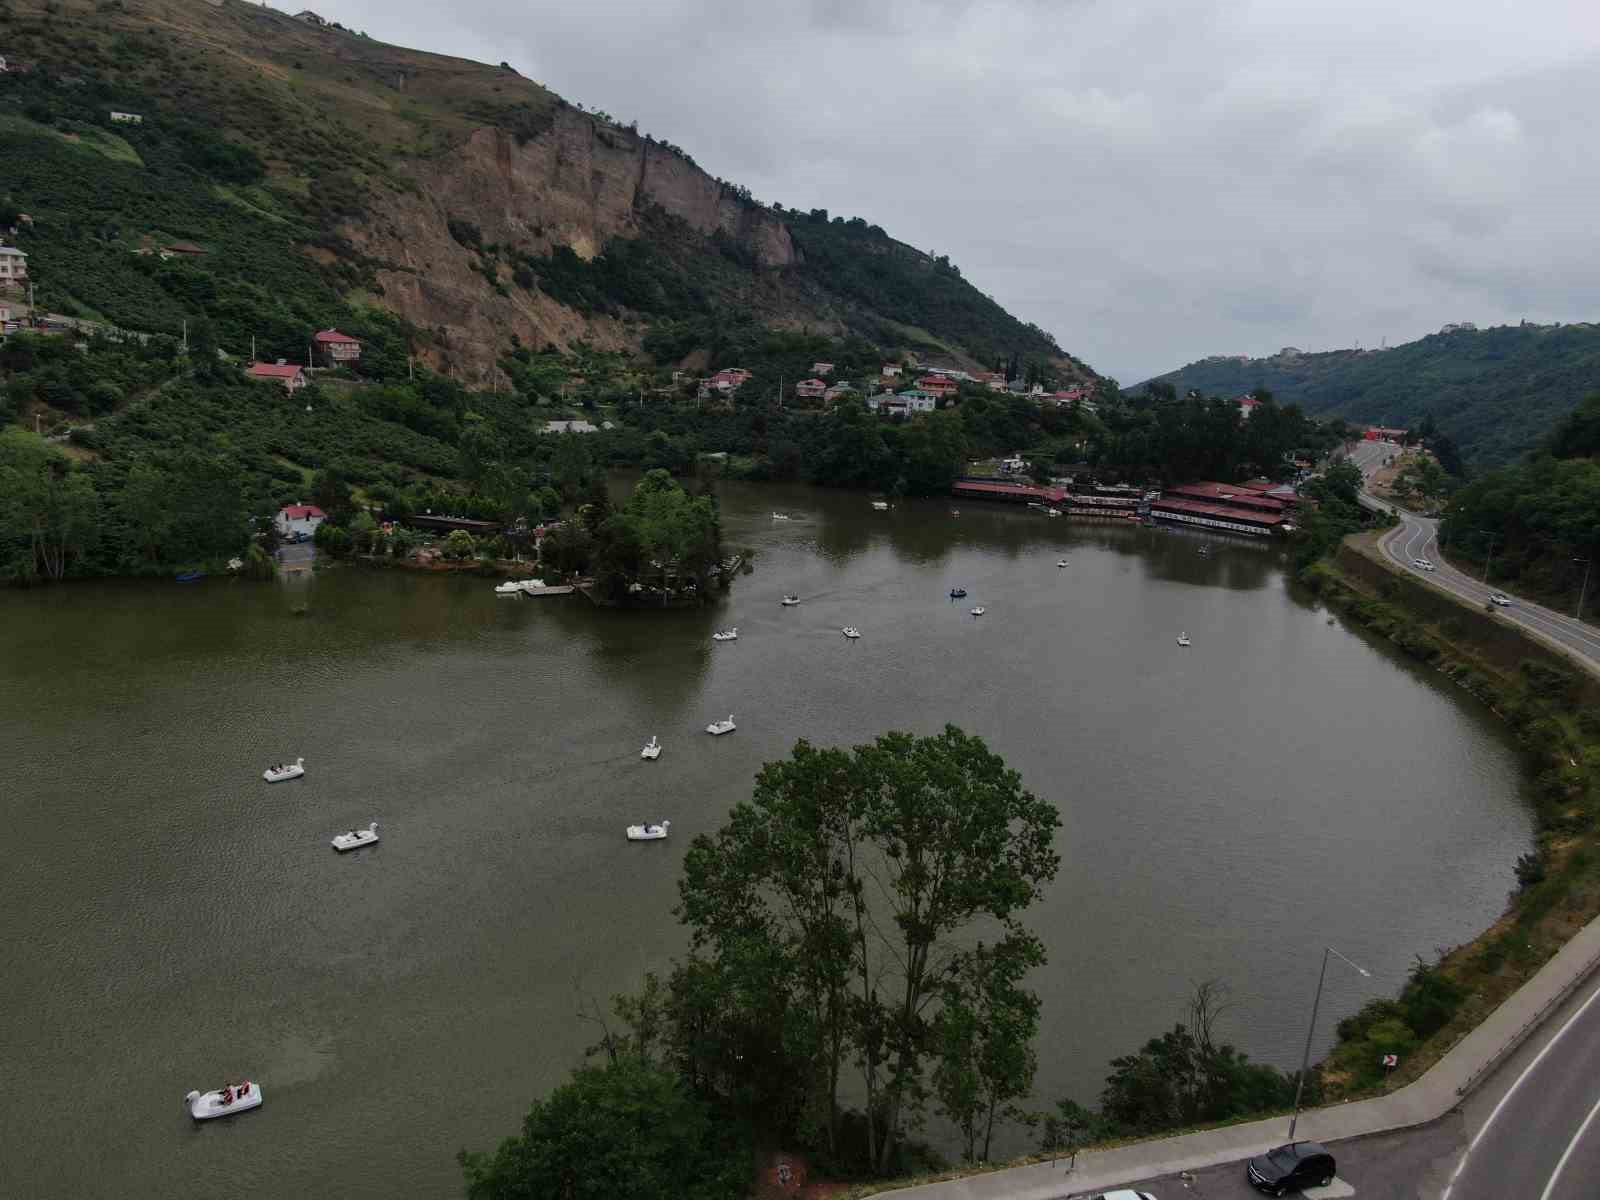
[
  {"x": 810, "y": 389},
  {"x": 5, "y": 314},
  {"x": 996, "y": 380},
  {"x": 937, "y": 385},
  {"x": 1071, "y": 395},
  {"x": 728, "y": 379},
  {"x": 182, "y": 250},
  {"x": 822, "y": 368},
  {"x": 336, "y": 348},
  {"x": 918, "y": 400},
  {"x": 1377, "y": 433},
  {"x": 576, "y": 426},
  {"x": 310, "y": 18},
  {"x": 13, "y": 266},
  {"x": 293, "y": 519},
  {"x": 291, "y": 375},
  {"x": 890, "y": 370},
  {"x": 122, "y": 118},
  {"x": 840, "y": 389}
]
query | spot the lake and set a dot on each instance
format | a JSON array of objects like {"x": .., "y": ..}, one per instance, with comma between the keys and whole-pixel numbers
[{"x": 172, "y": 922}]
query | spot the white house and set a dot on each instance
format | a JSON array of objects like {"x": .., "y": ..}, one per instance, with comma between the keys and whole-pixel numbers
[
  {"x": 122, "y": 118},
  {"x": 5, "y": 314},
  {"x": 299, "y": 518},
  {"x": 13, "y": 266}
]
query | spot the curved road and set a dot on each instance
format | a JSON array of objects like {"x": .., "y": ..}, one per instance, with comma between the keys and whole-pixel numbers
[
  {"x": 1417, "y": 537},
  {"x": 1541, "y": 1141}
]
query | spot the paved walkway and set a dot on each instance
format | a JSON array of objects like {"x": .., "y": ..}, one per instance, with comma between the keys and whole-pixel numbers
[{"x": 1424, "y": 1100}]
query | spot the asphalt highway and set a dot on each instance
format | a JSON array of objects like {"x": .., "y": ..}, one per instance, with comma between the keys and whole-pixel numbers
[{"x": 1417, "y": 537}]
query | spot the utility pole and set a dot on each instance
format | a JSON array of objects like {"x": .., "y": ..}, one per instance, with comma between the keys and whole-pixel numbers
[
  {"x": 186, "y": 335},
  {"x": 1487, "y": 558},
  {"x": 1582, "y": 591},
  {"x": 252, "y": 347}
]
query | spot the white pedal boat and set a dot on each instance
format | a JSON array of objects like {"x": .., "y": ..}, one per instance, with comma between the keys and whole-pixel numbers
[
  {"x": 510, "y": 587},
  {"x": 284, "y": 771},
  {"x": 979, "y": 611},
  {"x": 1062, "y": 563},
  {"x": 850, "y": 631},
  {"x": 789, "y": 601},
  {"x": 204, "y": 1106},
  {"x": 355, "y": 838},
  {"x": 648, "y": 833},
  {"x": 652, "y": 748},
  {"x": 726, "y": 635},
  {"x": 777, "y": 516},
  {"x": 531, "y": 585},
  {"x": 881, "y": 505},
  {"x": 1183, "y": 639},
  {"x": 720, "y": 727}
]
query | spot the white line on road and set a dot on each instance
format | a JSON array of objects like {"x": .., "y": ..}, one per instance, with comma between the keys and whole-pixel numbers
[
  {"x": 1506, "y": 1099},
  {"x": 1567, "y": 1153}
]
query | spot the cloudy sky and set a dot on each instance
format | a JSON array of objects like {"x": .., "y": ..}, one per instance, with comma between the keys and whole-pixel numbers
[{"x": 1151, "y": 180}]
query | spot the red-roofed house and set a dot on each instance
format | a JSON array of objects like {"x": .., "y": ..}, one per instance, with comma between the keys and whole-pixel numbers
[
  {"x": 1247, "y": 405},
  {"x": 291, "y": 375},
  {"x": 299, "y": 518},
  {"x": 336, "y": 348},
  {"x": 939, "y": 385},
  {"x": 729, "y": 378},
  {"x": 810, "y": 389},
  {"x": 822, "y": 368}
]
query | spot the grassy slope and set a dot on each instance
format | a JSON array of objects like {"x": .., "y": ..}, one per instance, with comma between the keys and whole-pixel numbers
[{"x": 1495, "y": 392}]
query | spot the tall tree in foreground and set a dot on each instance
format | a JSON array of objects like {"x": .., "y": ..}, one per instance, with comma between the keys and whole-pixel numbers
[{"x": 862, "y": 873}]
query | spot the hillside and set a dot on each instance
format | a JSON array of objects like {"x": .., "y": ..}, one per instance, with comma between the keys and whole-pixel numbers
[
  {"x": 438, "y": 207},
  {"x": 1494, "y": 392}
]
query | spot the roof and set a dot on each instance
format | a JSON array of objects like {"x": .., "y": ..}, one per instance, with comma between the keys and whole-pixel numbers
[
  {"x": 331, "y": 335},
  {"x": 1222, "y": 512},
  {"x": 184, "y": 248},
  {"x": 275, "y": 370},
  {"x": 300, "y": 512},
  {"x": 811, "y": 383},
  {"x": 13, "y": 250},
  {"x": 1235, "y": 494},
  {"x": 978, "y": 487},
  {"x": 916, "y": 394}
]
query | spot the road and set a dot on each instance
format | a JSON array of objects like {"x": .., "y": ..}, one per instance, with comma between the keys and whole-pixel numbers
[
  {"x": 1417, "y": 537},
  {"x": 1529, "y": 1131}
]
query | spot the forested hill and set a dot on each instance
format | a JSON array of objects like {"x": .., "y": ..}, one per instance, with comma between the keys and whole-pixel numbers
[
  {"x": 449, "y": 209},
  {"x": 1494, "y": 392}
]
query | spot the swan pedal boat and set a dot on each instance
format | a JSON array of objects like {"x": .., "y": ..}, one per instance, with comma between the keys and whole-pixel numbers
[
  {"x": 720, "y": 727},
  {"x": 204, "y": 1106},
  {"x": 648, "y": 833},
  {"x": 958, "y": 593},
  {"x": 726, "y": 635},
  {"x": 789, "y": 601},
  {"x": 278, "y": 774},
  {"x": 881, "y": 505},
  {"x": 850, "y": 631},
  {"x": 652, "y": 749},
  {"x": 979, "y": 611},
  {"x": 777, "y": 516},
  {"x": 1062, "y": 563},
  {"x": 1183, "y": 639},
  {"x": 510, "y": 587},
  {"x": 355, "y": 838}
]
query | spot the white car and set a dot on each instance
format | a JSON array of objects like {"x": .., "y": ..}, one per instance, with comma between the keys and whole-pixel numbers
[{"x": 1500, "y": 599}]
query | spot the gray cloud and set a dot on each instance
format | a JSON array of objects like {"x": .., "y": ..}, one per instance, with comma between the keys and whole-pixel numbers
[{"x": 1152, "y": 182}]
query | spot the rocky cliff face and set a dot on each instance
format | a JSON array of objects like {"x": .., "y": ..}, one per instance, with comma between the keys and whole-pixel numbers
[{"x": 578, "y": 184}]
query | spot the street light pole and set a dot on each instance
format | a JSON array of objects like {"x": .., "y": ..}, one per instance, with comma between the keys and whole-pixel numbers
[
  {"x": 1311, "y": 1032},
  {"x": 1587, "y": 563},
  {"x": 1488, "y": 558}
]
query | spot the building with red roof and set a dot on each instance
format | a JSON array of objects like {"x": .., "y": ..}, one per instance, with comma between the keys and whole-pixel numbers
[
  {"x": 1232, "y": 507},
  {"x": 291, "y": 376},
  {"x": 938, "y": 385},
  {"x": 336, "y": 348},
  {"x": 295, "y": 519}
]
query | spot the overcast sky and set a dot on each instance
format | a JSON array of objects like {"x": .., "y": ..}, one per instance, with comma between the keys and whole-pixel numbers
[{"x": 1152, "y": 181}]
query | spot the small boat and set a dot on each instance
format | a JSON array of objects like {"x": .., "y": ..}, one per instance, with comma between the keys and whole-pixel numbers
[
  {"x": 509, "y": 588},
  {"x": 789, "y": 601},
  {"x": 1061, "y": 562},
  {"x": 531, "y": 585},
  {"x": 1183, "y": 639},
  {"x": 850, "y": 631},
  {"x": 726, "y": 635},
  {"x": 236, "y": 564},
  {"x": 188, "y": 576},
  {"x": 224, "y": 1102},
  {"x": 648, "y": 832},
  {"x": 1052, "y": 512},
  {"x": 777, "y": 516},
  {"x": 979, "y": 611},
  {"x": 958, "y": 593},
  {"x": 284, "y": 771},
  {"x": 955, "y": 512},
  {"x": 652, "y": 748},
  {"x": 720, "y": 727},
  {"x": 355, "y": 838},
  {"x": 881, "y": 505}
]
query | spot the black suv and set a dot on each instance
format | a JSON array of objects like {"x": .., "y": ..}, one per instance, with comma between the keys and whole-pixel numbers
[{"x": 1290, "y": 1168}]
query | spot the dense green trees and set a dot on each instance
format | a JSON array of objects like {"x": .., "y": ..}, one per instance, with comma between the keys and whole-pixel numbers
[
  {"x": 1161, "y": 436},
  {"x": 629, "y": 1130},
  {"x": 662, "y": 538},
  {"x": 838, "y": 901}
]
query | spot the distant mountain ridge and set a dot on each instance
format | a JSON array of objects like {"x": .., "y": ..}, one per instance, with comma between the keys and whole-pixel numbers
[
  {"x": 1495, "y": 392},
  {"x": 328, "y": 173}
]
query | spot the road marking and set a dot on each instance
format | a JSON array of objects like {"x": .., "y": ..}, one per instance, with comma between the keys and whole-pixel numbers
[
  {"x": 1567, "y": 1153},
  {"x": 1334, "y": 1191},
  {"x": 1506, "y": 1099}
]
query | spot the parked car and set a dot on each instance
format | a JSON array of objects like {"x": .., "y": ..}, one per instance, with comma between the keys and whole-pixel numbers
[
  {"x": 1291, "y": 1168},
  {"x": 1123, "y": 1194},
  {"x": 1500, "y": 600}
]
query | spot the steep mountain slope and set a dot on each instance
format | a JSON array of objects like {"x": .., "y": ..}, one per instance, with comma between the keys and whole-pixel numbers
[
  {"x": 443, "y": 207},
  {"x": 1494, "y": 392}
]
